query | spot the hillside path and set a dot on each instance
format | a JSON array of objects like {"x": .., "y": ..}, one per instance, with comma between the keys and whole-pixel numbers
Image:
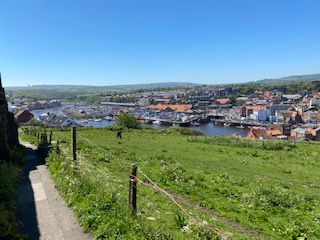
[{"x": 43, "y": 213}]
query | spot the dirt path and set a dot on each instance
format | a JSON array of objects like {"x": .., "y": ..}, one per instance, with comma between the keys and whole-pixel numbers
[{"x": 42, "y": 211}]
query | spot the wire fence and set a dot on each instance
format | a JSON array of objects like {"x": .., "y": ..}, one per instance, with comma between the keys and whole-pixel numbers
[
  {"x": 85, "y": 164},
  {"x": 153, "y": 185}
]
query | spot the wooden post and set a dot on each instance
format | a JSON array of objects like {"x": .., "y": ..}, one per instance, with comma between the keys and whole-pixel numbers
[
  {"x": 132, "y": 199},
  {"x": 50, "y": 137},
  {"x": 74, "y": 146},
  {"x": 45, "y": 137},
  {"x": 58, "y": 147}
]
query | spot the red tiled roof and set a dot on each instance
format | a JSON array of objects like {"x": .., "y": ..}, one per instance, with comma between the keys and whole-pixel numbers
[
  {"x": 257, "y": 108},
  {"x": 20, "y": 112},
  {"x": 267, "y": 94},
  {"x": 175, "y": 107},
  {"x": 223, "y": 100},
  {"x": 274, "y": 132},
  {"x": 257, "y": 133}
]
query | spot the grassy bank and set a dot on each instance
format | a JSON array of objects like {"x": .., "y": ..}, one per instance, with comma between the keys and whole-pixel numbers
[
  {"x": 10, "y": 174},
  {"x": 241, "y": 188}
]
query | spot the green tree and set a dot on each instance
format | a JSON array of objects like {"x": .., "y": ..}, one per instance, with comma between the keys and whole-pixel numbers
[
  {"x": 127, "y": 120},
  {"x": 34, "y": 122}
]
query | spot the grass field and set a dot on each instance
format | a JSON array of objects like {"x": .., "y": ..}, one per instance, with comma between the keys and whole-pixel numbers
[{"x": 226, "y": 187}]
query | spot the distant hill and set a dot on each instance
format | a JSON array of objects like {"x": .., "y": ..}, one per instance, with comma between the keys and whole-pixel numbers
[
  {"x": 101, "y": 89},
  {"x": 88, "y": 88},
  {"x": 293, "y": 78},
  {"x": 154, "y": 85}
]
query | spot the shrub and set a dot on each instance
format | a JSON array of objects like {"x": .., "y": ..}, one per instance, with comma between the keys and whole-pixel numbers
[
  {"x": 127, "y": 120},
  {"x": 184, "y": 131},
  {"x": 44, "y": 149}
]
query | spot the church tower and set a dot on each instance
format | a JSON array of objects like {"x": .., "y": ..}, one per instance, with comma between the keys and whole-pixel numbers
[{"x": 4, "y": 149}]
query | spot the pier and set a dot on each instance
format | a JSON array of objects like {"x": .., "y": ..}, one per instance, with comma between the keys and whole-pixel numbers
[{"x": 172, "y": 122}]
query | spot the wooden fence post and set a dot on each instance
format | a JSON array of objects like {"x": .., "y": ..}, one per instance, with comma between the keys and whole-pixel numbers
[
  {"x": 74, "y": 146},
  {"x": 50, "y": 137},
  {"x": 58, "y": 147},
  {"x": 45, "y": 137},
  {"x": 132, "y": 199}
]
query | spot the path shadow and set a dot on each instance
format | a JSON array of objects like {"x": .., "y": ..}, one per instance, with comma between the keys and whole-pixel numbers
[{"x": 27, "y": 214}]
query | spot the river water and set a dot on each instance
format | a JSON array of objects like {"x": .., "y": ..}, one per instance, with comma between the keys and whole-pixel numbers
[{"x": 210, "y": 129}]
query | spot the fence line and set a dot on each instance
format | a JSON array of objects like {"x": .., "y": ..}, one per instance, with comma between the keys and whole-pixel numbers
[
  {"x": 134, "y": 178},
  {"x": 155, "y": 186}
]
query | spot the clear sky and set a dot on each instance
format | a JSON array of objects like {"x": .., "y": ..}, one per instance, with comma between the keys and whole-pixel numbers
[{"x": 112, "y": 42}]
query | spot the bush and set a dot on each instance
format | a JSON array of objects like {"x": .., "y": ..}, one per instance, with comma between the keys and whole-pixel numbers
[
  {"x": 184, "y": 131},
  {"x": 44, "y": 149},
  {"x": 127, "y": 120}
]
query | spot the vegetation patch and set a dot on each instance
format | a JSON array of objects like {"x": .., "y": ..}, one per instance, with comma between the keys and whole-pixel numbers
[
  {"x": 262, "y": 189},
  {"x": 10, "y": 174}
]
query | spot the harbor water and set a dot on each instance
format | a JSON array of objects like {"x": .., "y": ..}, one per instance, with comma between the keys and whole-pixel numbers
[{"x": 210, "y": 129}]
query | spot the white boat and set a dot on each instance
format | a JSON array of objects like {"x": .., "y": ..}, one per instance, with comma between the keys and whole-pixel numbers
[
  {"x": 148, "y": 121},
  {"x": 241, "y": 126},
  {"x": 83, "y": 121},
  {"x": 98, "y": 120},
  {"x": 157, "y": 122},
  {"x": 195, "y": 124},
  {"x": 227, "y": 124},
  {"x": 108, "y": 118}
]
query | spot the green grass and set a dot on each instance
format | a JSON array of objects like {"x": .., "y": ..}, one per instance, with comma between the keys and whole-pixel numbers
[
  {"x": 10, "y": 174},
  {"x": 247, "y": 189}
]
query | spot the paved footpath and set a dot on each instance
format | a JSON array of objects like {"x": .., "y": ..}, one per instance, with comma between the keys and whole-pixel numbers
[{"x": 43, "y": 212}]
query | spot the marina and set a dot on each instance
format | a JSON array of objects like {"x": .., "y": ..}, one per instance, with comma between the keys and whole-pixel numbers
[{"x": 210, "y": 128}]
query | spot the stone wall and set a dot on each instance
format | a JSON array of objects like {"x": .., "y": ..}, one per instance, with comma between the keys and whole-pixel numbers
[{"x": 12, "y": 131}]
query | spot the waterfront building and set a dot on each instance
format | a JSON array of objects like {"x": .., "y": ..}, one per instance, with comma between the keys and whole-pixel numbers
[{"x": 179, "y": 108}]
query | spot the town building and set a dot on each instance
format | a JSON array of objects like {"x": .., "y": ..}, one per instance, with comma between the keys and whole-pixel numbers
[
  {"x": 179, "y": 108},
  {"x": 54, "y": 120},
  {"x": 285, "y": 129},
  {"x": 22, "y": 116},
  {"x": 259, "y": 133}
]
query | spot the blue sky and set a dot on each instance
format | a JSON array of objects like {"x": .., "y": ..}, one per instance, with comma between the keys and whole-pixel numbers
[{"x": 104, "y": 42}]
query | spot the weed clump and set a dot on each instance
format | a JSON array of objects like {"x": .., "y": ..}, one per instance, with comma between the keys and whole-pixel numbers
[{"x": 184, "y": 131}]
